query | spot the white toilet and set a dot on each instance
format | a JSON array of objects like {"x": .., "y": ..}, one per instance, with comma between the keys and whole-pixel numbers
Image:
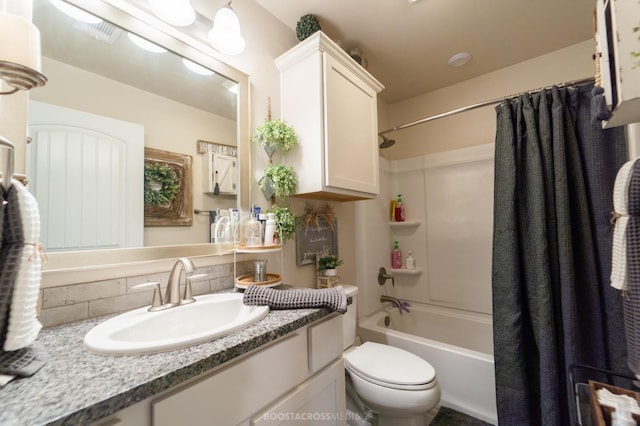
[{"x": 398, "y": 386}]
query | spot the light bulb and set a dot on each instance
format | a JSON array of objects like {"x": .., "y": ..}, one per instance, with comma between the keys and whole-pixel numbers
[
  {"x": 174, "y": 12},
  {"x": 225, "y": 35}
]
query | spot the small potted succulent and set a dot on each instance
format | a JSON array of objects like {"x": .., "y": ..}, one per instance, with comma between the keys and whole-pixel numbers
[
  {"x": 328, "y": 265},
  {"x": 279, "y": 181},
  {"x": 307, "y": 25},
  {"x": 275, "y": 134}
]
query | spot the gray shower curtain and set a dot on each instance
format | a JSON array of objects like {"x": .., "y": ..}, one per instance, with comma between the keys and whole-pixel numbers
[{"x": 552, "y": 305}]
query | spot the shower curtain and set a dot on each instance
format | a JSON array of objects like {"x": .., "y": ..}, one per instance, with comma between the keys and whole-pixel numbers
[{"x": 552, "y": 305}]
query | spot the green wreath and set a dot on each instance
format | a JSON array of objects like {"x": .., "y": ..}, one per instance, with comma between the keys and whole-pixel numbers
[{"x": 166, "y": 178}]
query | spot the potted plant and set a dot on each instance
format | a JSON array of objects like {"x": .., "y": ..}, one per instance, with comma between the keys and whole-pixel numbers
[
  {"x": 306, "y": 26},
  {"x": 275, "y": 134},
  {"x": 279, "y": 181},
  {"x": 285, "y": 222},
  {"x": 328, "y": 265}
]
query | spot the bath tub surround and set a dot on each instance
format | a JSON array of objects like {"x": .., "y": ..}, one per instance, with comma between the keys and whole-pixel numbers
[{"x": 457, "y": 344}]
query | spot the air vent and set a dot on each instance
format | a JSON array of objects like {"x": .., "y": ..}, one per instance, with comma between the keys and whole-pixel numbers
[{"x": 103, "y": 31}]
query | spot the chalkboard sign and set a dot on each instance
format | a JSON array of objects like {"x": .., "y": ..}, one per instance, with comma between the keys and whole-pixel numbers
[{"x": 321, "y": 239}]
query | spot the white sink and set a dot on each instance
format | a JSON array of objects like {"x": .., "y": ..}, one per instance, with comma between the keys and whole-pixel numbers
[{"x": 143, "y": 332}]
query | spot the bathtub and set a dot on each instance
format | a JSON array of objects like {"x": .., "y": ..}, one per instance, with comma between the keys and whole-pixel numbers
[{"x": 458, "y": 345}]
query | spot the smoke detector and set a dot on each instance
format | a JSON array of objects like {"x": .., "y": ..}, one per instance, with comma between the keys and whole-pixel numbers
[{"x": 459, "y": 59}]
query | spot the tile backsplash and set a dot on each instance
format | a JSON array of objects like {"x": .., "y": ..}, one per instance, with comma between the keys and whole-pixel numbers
[{"x": 76, "y": 302}]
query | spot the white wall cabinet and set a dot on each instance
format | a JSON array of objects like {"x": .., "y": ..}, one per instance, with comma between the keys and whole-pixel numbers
[
  {"x": 300, "y": 376},
  {"x": 618, "y": 45},
  {"x": 331, "y": 101}
]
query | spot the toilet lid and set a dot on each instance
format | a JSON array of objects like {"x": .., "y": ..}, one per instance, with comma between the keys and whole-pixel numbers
[{"x": 390, "y": 366}]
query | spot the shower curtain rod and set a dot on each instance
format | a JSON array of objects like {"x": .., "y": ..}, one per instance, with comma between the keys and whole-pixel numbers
[{"x": 479, "y": 105}]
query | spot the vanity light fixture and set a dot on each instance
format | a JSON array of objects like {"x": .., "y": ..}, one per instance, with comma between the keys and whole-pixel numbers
[
  {"x": 197, "y": 68},
  {"x": 175, "y": 12},
  {"x": 225, "y": 35},
  {"x": 145, "y": 44},
  {"x": 75, "y": 12},
  {"x": 20, "y": 62}
]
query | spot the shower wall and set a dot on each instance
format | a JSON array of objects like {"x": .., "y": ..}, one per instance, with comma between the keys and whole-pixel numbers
[{"x": 448, "y": 199}]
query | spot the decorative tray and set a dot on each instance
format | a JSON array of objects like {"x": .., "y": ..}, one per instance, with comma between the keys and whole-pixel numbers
[{"x": 245, "y": 281}]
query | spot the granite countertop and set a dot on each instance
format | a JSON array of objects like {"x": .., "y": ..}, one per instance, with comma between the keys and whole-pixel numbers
[{"x": 78, "y": 387}]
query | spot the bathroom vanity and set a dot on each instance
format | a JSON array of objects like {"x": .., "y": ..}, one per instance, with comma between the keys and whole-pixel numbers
[{"x": 287, "y": 366}]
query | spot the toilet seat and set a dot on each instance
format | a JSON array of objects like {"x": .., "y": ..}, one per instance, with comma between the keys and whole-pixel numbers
[{"x": 390, "y": 367}]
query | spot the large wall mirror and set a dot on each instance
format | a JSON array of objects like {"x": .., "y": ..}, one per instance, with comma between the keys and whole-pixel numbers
[{"x": 174, "y": 98}]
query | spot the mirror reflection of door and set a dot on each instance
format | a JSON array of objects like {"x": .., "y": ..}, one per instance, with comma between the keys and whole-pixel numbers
[
  {"x": 79, "y": 167},
  {"x": 225, "y": 166}
]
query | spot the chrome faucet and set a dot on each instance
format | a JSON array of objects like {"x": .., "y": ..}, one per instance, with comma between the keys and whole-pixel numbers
[
  {"x": 401, "y": 305},
  {"x": 172, "y": 296},
  {"x": 383, "y": 276}
]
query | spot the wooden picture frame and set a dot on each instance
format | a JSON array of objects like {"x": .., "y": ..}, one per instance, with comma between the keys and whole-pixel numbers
[
  {"x": 179, "y": 211},
  {"x": 313, "y": 240}
]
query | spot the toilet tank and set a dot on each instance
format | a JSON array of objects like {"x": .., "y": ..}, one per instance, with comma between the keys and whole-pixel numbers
[{"x": 349, "y": 320}]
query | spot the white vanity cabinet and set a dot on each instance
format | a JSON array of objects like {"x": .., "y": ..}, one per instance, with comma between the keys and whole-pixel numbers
[
  {"x": 300, "y": 376},
  {"x": 618, "y": 47},
  {"x": 331, "y": 101}
]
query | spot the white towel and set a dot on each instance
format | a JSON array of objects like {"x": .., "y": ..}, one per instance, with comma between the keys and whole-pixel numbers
[
  {"x": 23, "y": 325},
  {"x": 621, "y": 210}
]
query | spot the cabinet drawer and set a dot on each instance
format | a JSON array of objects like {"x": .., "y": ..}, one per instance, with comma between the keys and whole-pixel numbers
[
  {"x": 232, "y": 395},
  {"x": 325, "y": 342}
]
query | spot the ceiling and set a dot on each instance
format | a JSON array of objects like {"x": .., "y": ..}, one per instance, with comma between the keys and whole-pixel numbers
[{"x": 407, "y": 45}]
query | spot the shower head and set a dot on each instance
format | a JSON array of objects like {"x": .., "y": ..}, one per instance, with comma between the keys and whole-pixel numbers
[{"x": 386, "y": 142}]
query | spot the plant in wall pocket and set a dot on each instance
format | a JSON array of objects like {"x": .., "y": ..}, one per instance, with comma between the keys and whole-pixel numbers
[
  {"x": 275, "y": 134},
  {"x": 279, "y": 181},
  {"x": 285, "y": 222},
  {"x": 328, "y": 265}
]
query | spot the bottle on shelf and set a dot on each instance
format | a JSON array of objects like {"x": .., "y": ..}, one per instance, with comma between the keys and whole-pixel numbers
[
  {"x": 270, "y": 230},
  {"x": 410, "y": 262},
  {"x": 396, "y": 256},
  {"x": 399, "y": 210},
  {"x": 253, "y": 232}
]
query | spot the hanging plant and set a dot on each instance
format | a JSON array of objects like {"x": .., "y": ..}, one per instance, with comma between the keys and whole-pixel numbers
[
  {"x": 307, "y": 25},
  {"x": 279, "y": 181},
  {"x": 276, "y": 134},
  {"x": 161, "y": 184},
  {"x": 285, "y": 222}
]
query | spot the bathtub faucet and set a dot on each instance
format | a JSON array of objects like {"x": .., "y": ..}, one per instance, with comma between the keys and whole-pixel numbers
[
  {"x": 383, "y": 277},
  {"x": 401, "y": 305}
]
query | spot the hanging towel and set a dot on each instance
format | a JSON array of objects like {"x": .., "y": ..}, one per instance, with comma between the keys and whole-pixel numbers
[
  {"x": 631, "y": 302},
  {"x": 11, "y": 247},
  {"x": 23, "y": 326},
  {"x": 333, "y": 298},
  {"x": 621, "y": 216}
]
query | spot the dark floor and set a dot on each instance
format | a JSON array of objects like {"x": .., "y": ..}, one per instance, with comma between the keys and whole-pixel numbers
[{"x": 450, "y": 417}]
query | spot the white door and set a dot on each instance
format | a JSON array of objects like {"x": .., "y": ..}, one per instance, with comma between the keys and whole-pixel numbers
[{"x": 86, "y": 171}]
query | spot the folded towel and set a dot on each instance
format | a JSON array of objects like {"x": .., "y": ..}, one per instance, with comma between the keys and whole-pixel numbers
[
  {"x": 333, "y": 298},
  {"x": 23, "y": 326},
  {"x": 24, "y": 362},
  {"x": 619, "y": 279}
]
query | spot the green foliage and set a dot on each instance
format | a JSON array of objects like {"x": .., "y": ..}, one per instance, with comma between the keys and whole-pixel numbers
[
  {"x": 276, "y": 134},
  {"x": 166, "y": 177},
  {"x": 285, "y": 222},
  {"x": 282, "y": 178},
  {"x": 329, "y": 262},
  {"x": 306, "y": 26}
]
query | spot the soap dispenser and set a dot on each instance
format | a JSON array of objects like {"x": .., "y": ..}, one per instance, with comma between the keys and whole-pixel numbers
[
  {"x": 270, "y": 235},
  {"x": 253, "y": 231}
]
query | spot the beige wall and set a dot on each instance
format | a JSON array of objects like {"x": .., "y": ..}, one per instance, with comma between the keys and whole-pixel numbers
[{"x": 478, "y": 126}]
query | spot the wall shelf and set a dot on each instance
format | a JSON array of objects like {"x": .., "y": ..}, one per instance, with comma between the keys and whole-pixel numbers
[
  {"x": 405, "y": 224},
  {"x": 403, "y": 271}
]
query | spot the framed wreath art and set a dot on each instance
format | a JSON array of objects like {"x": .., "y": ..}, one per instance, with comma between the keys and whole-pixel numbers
[{"x": 167, "y": 189}]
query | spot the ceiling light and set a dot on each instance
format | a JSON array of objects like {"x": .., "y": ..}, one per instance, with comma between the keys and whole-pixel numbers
[
  {"x": 197, "y": 68},
  {"x": 459, "y": 59},
  {"x": 225, "y": 35},
  {"x": 174, "y": 12},
  {"x": 146, "y": 44},
  {"x": 75, "y": 12}
]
